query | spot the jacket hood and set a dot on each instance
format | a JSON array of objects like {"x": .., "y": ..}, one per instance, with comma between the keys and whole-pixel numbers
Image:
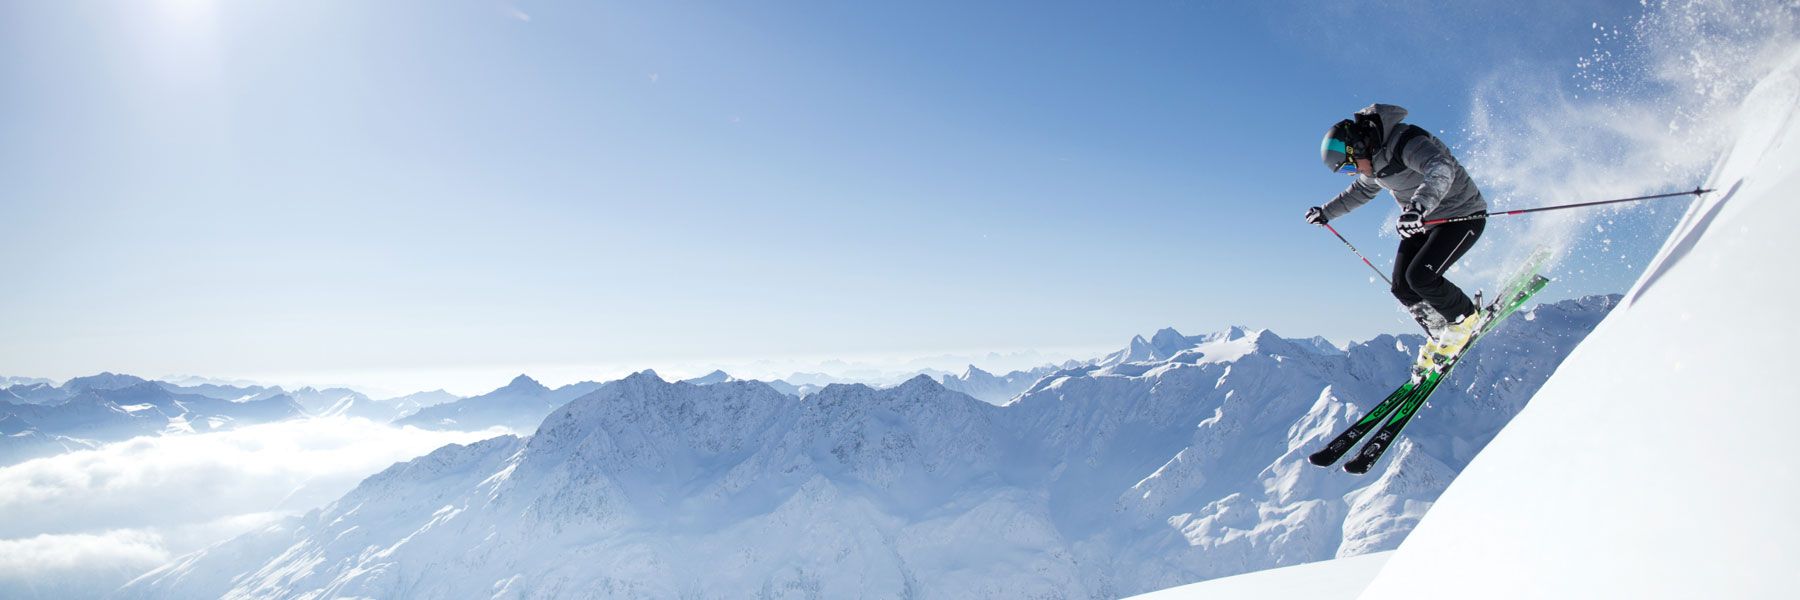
[{"x": 1390, "y": 117}]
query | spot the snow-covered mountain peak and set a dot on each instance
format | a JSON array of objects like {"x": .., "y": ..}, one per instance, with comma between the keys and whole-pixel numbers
[
  {"x": 7, "y": 381},
  {"x": 717, "y": 376},
  {"x": 102, "y": 381},
  {"x": 919, "y": 387},
  {"x": 519, "y": 406},
  {"x": 145, "y": 392},
  {"x": 996, "y": 389},
  {"x": 1230, "y": 333},
  {"x": 28, "y": 388},
  {"x": 1322, "y": 345},
  {"x": 1137, "y": 350},
  {"x": 1232, "y": 346},
  {"x": 524, "y": 384},
  {"x": 430, "y": 398},
  {"x": 1138, "y": 346},
  {"x": 644, "y": 397},
  {"x": 1169, "y": 341},
  {"x": 921, "y": 384},
  {"x": 646, "y": 379}
]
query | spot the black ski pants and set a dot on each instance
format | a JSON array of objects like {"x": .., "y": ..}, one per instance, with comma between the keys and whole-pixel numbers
[{"x": 1420, "y": 264}]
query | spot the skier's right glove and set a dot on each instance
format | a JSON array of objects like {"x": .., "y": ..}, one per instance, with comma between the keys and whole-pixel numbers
[
  {"x": 1315, "y": 216},
  {"x": 1411, "y": 222}
]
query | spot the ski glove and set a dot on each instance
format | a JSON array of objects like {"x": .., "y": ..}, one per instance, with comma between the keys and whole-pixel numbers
[
  {"x": 1315, "y": 216},
  {"x": 1411, "y": 222}
]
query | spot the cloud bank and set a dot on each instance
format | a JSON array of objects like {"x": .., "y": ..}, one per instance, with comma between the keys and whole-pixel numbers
[{"x": 82, "y": 523}]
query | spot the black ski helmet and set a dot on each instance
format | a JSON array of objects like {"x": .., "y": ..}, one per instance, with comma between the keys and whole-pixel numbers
[{"x": 1348, "y": 140}]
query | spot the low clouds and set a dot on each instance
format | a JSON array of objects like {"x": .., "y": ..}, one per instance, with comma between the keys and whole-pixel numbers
[
  {"x": 97, "y": 518},
  {"x": 76, "y": 566},
  {"x": 56, "y": 555}
]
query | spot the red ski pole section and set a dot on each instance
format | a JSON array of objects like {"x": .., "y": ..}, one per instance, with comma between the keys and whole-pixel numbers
[{"x": 1359, "y": 254}]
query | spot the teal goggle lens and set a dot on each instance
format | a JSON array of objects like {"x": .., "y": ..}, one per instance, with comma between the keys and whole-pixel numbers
[{"x": 1336, "y": 152}]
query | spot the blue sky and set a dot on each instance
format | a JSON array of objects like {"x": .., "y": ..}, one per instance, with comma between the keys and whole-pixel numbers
[{"x": 244, "y": 189}]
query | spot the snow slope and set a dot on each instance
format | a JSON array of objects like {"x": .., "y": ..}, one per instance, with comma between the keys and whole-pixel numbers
[
  {"x": 1655, "y": 463},
  {"x": 1340, "y": 579}
]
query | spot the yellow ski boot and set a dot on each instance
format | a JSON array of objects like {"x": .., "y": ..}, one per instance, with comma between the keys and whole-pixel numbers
[{"x": 1453, "y": 337}]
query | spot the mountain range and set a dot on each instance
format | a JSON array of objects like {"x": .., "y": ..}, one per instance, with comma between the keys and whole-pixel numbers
[
  {"x": 40, "y": 418},
  {"x": 93, "y": 414},
  {"x": 1177, "y": 459}
]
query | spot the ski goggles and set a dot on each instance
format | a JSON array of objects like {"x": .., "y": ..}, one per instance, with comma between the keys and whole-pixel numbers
[
  {"x": 1338, "y": 155},
  {"x": 1337, "y": 152}
]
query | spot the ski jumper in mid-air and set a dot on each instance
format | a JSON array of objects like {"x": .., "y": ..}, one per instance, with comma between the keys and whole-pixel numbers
[{"x": 1429, "y": 184}]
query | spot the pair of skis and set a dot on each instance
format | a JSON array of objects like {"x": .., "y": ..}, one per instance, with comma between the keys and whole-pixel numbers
[{"x": 1432, "y": 367}]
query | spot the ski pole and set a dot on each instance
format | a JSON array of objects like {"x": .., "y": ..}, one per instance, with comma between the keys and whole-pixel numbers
[
  {"x": 1359, "y": 254},
  {"x": 1694, "y": 192}
]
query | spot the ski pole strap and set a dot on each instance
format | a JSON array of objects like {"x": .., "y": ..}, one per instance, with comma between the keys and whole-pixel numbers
[{"x": 1694, "y": 192}]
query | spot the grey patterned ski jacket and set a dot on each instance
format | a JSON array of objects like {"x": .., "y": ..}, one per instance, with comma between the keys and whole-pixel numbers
[{"x": 1432, "y": 177}]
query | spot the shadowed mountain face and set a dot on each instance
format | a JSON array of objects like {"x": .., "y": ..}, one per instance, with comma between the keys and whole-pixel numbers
[{"x": 1099, "y": 481}]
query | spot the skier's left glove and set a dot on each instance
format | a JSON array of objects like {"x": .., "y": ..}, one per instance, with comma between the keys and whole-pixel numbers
[
  {"x": 1412, "y": 222},
  {"x": 1315, "y": 215}
]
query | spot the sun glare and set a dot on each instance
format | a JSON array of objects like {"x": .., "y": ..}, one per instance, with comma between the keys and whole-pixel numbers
[{"x": 188, "y": 14}]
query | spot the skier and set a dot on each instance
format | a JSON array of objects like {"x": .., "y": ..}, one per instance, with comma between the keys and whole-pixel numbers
[{"x": 1429, "y": 184}]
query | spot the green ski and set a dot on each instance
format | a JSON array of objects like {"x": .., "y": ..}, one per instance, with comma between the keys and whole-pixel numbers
[
  {"x": 1430, "y": 369},
  {"x": 1435, "y": 374}
]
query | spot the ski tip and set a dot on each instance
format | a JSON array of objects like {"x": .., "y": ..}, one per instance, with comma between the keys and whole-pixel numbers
[
  {"x": 1319, "y": 459},
  {"x": 1356, "y": 467}
]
